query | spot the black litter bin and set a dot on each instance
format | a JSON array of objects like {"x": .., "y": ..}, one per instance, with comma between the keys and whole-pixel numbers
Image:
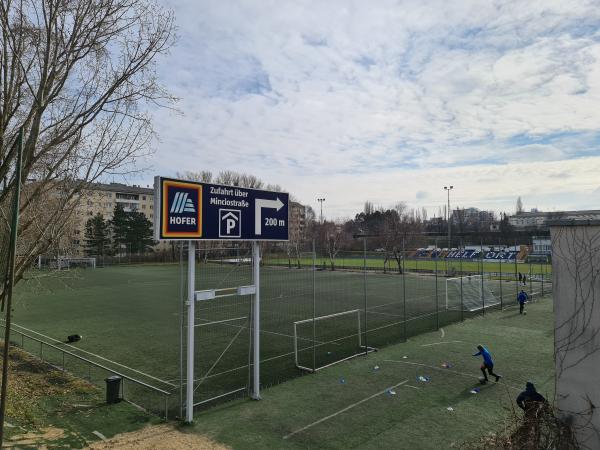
[{"x": 113, "y": 389}]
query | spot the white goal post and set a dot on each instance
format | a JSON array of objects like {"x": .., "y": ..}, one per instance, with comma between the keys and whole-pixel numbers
[
  {"x": 66, "y": 262},
  {"x": 357, "y": 313},
  {"x": 469, "y": 293}
]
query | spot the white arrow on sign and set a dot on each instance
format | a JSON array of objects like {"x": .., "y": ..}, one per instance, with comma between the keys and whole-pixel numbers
[{"x": 259, "y": 204}]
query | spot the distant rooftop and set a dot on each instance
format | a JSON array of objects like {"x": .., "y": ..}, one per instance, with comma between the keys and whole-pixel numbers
[
  {"x": 559, "y": 214},
  {"x": 120, "y": 187}
]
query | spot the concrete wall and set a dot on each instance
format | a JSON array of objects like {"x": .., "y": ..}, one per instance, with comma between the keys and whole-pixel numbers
[{"x": 576, "y": 273}]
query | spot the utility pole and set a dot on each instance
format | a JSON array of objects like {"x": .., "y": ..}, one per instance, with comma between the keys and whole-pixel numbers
[
  {"x": 448, "y": 189},
  {"x": 321, "y": 200}
]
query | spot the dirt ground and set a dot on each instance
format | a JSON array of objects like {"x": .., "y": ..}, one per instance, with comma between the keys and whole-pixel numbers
[{"x": 159, "y": 437}]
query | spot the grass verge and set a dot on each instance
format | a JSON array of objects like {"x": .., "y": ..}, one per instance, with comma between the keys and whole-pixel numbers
[{"x": 50, "y": 408}]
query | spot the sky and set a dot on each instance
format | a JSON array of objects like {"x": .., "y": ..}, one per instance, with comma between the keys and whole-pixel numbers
[{"x": 389, "y": 101}]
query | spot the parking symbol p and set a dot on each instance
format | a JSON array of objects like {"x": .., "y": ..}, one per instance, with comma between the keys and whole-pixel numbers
[{"x": 230, "y": 223}]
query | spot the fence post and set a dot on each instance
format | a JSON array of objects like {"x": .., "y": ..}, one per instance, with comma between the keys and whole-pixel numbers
[
  {"x": 460, "y": 262},
  {"x": 482, "y": 275},
  {"x": 516, "y": 271},
  {"x": 437, "y": 312},
  {"x": 542, "y": 276},
  {"x": 365, "y": 290},
  {"x": 530, "y": 281},
  {"x": 314, "y": 312},
  {"x": 404, "y": 285},
  {"x": 501, "y": 299}
]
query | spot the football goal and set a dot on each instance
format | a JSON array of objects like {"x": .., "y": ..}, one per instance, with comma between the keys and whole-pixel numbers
[
  {"x": 469, "y": 293},
  {"x": 66, "y": 262},
  {"x": 327, "y": 340}
]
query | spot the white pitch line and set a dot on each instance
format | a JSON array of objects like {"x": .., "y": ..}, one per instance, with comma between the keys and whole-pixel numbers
[
  {"x": 450, "y": 371},
  {"x": 343, "y": 410},
  {"x": 438, "y": 343},
  {"x": 414, "y": 387},
  {"x": 100, "y": 435},
  {"x": 443, "y": 333}
]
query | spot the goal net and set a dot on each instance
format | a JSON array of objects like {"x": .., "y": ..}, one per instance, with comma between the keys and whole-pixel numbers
[
  {"x": 65, "y": 262},
  {"x": 327, "y": 340},
  {"x": 470, "y": 293}
]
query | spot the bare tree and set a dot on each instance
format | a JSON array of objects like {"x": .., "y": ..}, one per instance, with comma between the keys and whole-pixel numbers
[
  {"x": 401, "y": 228},
  {"x": 203, "y": 176},
  {"x": 75, "y": 76},
  {"x": 333, "y": 236}
]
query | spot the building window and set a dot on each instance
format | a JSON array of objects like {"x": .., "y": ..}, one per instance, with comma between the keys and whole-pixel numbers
[
  {"x": 143, "y": 206},
  {"x": 128, "y": 196},
  {"x": 143, "y": 197}
]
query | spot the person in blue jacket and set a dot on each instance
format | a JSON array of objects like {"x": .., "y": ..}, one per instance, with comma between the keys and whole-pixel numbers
[
  {"x": 488, "y": 363},
  {"x": 522, "y": 299}
]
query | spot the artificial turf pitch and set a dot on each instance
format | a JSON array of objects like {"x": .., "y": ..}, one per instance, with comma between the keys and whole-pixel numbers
[
  {"x": 130, "y": 319},
  {"x": 321, "y": 411}
]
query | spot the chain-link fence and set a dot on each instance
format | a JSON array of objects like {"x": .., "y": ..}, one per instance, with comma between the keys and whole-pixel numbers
[{"x": 319, "y": 308}]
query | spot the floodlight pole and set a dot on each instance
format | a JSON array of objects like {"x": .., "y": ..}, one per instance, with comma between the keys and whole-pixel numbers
[
  {"x": 449, "y": 188},
  {"x": 321, "y": 200},
  {"x": 256, "y": 319},
  {"x": 189, "y": 393}
]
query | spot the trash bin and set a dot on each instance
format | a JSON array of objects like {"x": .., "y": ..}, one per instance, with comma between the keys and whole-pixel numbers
[{"x": 113, "y": 389}]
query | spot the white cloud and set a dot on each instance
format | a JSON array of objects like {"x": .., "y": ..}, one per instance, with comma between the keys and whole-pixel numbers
[{"x": 366, "y": 100}]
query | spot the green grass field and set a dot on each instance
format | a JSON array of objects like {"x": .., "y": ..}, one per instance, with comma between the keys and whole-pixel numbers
[
  {"x": 319, "y": 411},
  {"x": 130, "y": 319}
]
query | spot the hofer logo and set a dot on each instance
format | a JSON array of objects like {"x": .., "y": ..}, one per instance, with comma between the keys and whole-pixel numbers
[
  {"x": 182, "y": 203},
  {"x": 181, "y": 209}
]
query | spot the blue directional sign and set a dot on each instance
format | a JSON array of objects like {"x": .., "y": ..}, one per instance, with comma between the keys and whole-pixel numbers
[{"x": 186, "y": 210}]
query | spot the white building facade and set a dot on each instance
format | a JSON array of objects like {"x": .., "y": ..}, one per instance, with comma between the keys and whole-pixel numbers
[{"x": 576, "y": 285}]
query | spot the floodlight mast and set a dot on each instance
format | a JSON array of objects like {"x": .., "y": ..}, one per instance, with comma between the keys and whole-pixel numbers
[
  {"x": 321, "y": 200},
  {"x": 448, "y": 189}
]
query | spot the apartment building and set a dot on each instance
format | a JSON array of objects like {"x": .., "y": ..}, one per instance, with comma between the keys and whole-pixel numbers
[
  {"x": 101, "y": 198},
  {"x": 297, "y": 221}
]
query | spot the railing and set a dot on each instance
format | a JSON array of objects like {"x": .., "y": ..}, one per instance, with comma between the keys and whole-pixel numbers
[{"x": 91, "y": 364}]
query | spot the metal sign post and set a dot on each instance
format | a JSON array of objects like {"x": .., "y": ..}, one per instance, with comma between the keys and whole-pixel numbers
[
  {"x": 256, "y": 317},
  {"x": 185, "y": 210},
  {"x": 191, "y": 310}
]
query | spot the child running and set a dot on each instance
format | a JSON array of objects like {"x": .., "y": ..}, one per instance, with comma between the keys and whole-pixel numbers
[{"x": 488, "y": 363}]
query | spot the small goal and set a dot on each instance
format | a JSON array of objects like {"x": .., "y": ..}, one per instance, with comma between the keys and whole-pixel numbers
[
  {"x": 469, "y": 293},
  {"x": 328, "y": 340},
  {"x": 66, "y": 262}
]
